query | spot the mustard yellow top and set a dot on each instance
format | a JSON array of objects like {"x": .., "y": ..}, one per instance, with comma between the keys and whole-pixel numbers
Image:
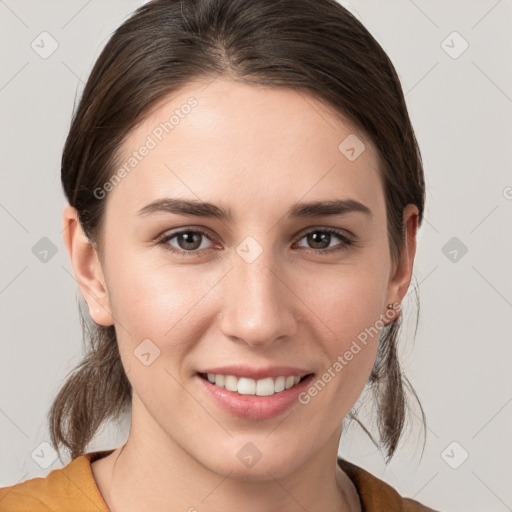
[{"x": 73, "y": 489}]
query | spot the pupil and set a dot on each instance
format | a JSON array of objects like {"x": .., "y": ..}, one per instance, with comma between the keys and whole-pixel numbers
[
  {"x": 315, "y": 239},
  {"x": 189, "y": 239}
]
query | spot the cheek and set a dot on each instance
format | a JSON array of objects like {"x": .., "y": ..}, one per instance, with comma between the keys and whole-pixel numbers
[
  {"x": 350, "y": 309},
  {"x": 157, "y": 310},
  {"x": 157, "y": 301},
  {"x": 347, "y": 301}
]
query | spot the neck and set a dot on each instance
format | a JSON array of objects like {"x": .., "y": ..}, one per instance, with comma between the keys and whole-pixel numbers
[{"x": 154, "y": 473}]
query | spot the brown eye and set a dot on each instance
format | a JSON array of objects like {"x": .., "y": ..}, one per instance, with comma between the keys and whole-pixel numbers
[
  {"x": 319, "y": 240},
  {"x": 189, "y": 241}
]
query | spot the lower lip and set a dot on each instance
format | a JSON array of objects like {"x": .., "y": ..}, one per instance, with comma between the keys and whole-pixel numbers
[{"x": 255, "y": 407}]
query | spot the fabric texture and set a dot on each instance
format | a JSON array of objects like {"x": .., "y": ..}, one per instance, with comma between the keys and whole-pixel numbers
[{"x": 73, "y": 489}]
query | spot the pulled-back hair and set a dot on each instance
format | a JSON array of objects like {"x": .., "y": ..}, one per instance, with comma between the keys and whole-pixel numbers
[{"x": 315, "y": 46}]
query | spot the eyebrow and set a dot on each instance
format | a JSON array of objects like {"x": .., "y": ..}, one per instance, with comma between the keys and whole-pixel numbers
[{"x": 210, "y": 210}]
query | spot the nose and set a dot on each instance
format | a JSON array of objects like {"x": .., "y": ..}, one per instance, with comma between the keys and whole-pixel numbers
[{"x": 259, "y": 307}]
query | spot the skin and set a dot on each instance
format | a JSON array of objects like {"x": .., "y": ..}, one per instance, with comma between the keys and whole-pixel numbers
[{"x": 291, "y": 306}]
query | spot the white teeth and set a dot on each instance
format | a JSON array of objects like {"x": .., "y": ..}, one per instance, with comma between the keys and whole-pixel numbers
[
  {"x": 279, "y": 384},
  {"x": 231, "y": 383},
  {"x": 265, "y": 387},
  {"x": 246, "y": 386}
]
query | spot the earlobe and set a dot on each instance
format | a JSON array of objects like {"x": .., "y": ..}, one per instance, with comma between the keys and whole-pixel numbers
[
  {"x": 392, "y": 312},
  {"x": 87, "y": 268},
  {"x": 400, "y": 281}
]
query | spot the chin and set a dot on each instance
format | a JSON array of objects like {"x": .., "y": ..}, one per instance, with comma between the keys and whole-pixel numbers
[{"x": 249, "y": 463}]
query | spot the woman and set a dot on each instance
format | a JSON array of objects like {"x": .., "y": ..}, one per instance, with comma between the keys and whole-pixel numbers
[{"x": 244, "y": 190}]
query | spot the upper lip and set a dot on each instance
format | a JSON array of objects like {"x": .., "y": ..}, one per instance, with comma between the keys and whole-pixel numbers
[{"x": 257, "y": 373}]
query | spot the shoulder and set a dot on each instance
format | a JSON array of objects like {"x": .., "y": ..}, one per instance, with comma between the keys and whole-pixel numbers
[
  {"x": 376, "y": 495},
  {"x": 69, "y": 488}
]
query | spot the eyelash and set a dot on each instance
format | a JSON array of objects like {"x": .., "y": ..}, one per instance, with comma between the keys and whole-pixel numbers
[{"x": 347, "y": 242}]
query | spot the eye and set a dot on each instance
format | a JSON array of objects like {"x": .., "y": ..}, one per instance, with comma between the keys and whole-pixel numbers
[
  {"x": 320, "y": 240},
  {"x": 189, "y": 241}
]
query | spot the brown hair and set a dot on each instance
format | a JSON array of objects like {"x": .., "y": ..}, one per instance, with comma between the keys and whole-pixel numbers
[{"x": 316, "y": 46}]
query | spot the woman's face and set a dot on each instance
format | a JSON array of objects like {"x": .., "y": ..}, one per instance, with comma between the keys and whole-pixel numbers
[{"x": 249, "y": 294}]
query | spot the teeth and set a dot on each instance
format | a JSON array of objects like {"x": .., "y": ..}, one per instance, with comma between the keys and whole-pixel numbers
[
  {"x": 231, "y": 383},
  {"x": 246, "y": 386},
  {"x": 279, "y": 384}
]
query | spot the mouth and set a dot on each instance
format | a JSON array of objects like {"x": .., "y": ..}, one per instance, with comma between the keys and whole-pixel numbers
[
  {"x": 254, "y": 393},
  {"x": 263, "y": 387}
]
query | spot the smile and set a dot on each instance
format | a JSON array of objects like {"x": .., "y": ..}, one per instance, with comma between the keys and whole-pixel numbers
[{"x": 246, "y": 386}]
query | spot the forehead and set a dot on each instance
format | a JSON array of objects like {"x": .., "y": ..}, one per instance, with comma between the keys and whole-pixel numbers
[{"x": 252, "y": 144}]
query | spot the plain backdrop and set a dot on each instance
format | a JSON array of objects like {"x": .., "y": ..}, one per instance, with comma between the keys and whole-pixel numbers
[{"x": 453, "y": 59}]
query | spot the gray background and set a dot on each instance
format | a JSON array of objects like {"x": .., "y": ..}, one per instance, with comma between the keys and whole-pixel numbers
[{"x": 459, "y": 362}]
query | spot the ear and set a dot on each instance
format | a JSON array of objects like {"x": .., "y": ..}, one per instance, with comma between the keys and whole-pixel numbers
[
  {"x": 86, "y": 267},
  {"x": 402, "y": 273}
]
